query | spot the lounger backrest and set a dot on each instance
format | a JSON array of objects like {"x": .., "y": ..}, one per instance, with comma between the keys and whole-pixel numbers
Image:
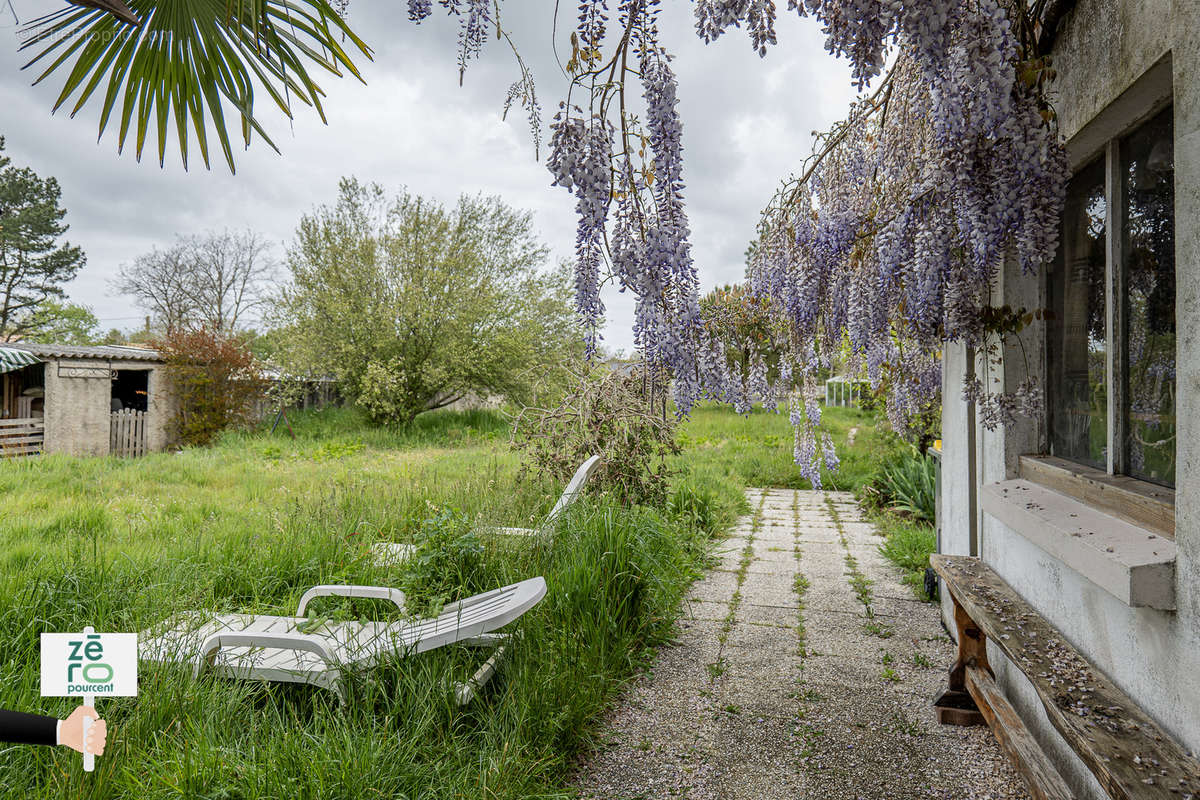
[
  {"x": 477, "y": 615},
  {"x": 574, "y": 488}
]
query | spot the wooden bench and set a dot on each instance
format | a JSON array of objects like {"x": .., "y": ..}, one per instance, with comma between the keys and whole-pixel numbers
[{"x": 1128, "y": 753}]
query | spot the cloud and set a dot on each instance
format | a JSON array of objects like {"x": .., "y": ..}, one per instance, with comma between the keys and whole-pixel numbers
[{"x": 747, "y": 123}]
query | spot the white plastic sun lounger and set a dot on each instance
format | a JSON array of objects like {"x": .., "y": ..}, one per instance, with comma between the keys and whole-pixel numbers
[
  {"x": 272, "y": 648},
  {"x": 392, "y": 553}
]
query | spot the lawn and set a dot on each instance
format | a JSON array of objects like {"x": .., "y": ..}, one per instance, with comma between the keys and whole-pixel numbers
[
  {"x": 248, "y": 525},
  {"x": 756, "y": 450},
  {"x": 251, "y": 523}
]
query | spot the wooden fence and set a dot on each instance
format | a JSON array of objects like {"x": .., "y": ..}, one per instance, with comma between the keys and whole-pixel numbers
[
  {"x": 127, "y": 433},
  {"x": 21, "y": 437}
]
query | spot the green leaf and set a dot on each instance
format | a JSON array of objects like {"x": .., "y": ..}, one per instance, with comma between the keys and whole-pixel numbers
[{"x": 192, "y": 55}]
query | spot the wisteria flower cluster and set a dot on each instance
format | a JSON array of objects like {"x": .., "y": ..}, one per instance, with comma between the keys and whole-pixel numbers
[
  {"x": 579, "y": 158},
  {"x": 895, "y": 233},
  {"x": 475, "y": 20},
  {"x": 892, "y": 237}
]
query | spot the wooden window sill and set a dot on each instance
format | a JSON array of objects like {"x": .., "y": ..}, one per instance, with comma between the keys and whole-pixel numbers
[{"x": 1146, "y": 505}]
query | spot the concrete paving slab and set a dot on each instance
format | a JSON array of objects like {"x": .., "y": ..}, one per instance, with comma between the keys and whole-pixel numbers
[
  {"x": 769, "y": 590},
  {"x": 753, "y": 719},
  {"x": 715, "y": 587},
  {"x": 755, "y": 614},
  {"x": 705, "y": 610}
]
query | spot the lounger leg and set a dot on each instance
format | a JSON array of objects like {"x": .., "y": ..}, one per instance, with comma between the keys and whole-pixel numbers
[
  {"x": 332, "y": 681},
  {"x": 485, "y": 640},
  {"x": 465, "y": 691}
]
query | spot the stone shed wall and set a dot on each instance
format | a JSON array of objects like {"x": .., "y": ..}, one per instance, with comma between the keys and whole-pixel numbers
[{"x": 78, "y": 405}]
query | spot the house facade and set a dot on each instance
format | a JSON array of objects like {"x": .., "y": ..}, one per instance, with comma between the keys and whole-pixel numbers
[
  {"x": 91, "y": 401},
  {"x": 1091, "y": 511}
]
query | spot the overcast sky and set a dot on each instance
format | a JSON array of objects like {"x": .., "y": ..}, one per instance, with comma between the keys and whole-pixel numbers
[{"x": 747, "y": 123}]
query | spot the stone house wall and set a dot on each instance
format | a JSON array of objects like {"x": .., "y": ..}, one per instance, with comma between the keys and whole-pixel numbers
[{"x": 1117, "y": 61}]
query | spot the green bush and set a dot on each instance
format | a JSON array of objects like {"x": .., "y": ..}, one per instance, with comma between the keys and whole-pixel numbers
[
  {"x": 446, "y": 563},
  {"x": 381, "y": 393},
  {"x": 618, "y": 415},
  {"x": 216, "y": 383},
  {"x": 694, "y": 507}
]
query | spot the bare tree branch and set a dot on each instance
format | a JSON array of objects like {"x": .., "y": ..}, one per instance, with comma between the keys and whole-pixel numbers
[{"x": 212, "y": 280}]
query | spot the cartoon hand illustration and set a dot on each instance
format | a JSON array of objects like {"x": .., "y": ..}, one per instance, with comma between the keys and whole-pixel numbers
[{"x": 71, "y": 733}]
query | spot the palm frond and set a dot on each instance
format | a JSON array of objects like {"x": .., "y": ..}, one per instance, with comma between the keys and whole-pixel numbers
[{"x": 194, "y": 60}]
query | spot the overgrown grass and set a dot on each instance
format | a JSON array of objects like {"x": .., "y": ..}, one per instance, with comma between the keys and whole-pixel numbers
[
  {"x": 252, "y": 522},
  {"x": 908, "y": 544},
  {"x": 443, "y": 428},
  {"x": 756, "y": 450},
  {"x": 249, "y": 525}
]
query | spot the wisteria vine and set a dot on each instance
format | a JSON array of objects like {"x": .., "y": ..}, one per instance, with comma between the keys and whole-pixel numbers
[{"x": 890, "y": 240}]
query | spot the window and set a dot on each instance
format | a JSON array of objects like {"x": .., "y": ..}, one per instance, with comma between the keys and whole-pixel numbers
[
  {"x": 1110, "y": 339},
  {"x": 1076, "y": 358},
  {"x": 1148, "y": 287},
  {"x": 130, "y": 389}
]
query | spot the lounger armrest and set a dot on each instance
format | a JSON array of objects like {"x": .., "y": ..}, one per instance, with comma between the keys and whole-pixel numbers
[
  {"x": 341, "y": 590},
  {"x": 281, "y": 641}
]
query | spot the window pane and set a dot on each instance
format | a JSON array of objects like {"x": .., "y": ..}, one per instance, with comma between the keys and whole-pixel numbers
[
  {"x": 1148, "y": 252},
  {"x": 1075, "y": 338}
]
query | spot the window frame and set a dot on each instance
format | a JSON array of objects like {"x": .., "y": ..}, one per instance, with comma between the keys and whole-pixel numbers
[
  {"x": 1101, "y": 139},
  {"x": 1116, "y": 300}
]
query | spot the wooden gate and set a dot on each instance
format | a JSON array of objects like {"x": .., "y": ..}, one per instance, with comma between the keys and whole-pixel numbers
[
  {"x": 21, "y": 437},
  {"x": 127, "y": 433}
]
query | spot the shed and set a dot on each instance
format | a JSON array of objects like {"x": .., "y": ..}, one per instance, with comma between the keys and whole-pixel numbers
[
  {"x": 84, "y": 400},
  {"x": 841, "y": 391},
  {"x": 21, "y": 423}
]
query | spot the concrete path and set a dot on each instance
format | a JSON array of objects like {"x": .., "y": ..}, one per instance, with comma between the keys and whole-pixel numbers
[{"x": 803, "y": 669}]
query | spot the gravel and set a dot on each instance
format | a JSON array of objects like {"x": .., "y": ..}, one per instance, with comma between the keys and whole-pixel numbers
[{"x": 766, "y": 709}]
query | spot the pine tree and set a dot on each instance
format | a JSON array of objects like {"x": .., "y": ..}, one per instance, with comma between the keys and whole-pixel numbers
[{"x": 35, "y": 264}]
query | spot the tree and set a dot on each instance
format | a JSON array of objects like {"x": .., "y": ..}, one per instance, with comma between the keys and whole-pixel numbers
[
  {"x": 157, "y": 281},
  {"x": 213, "y": 280},
  {"x": 114, "y": 336},
  {"x": 63, "y": 323},
  {"x": 231, "y": 271},
  {"x": 215, "y": 379},
  {"x": 34, "y": 264},
  {"x": 410, "y": 305},
  {"x": 745, "y": 331},
  {"x": 746, "y": 325}
]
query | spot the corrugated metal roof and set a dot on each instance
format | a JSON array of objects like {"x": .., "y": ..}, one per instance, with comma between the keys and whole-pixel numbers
[
  {"x": 12, "y": 358},
  {"x": 106, "y": 351}
]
